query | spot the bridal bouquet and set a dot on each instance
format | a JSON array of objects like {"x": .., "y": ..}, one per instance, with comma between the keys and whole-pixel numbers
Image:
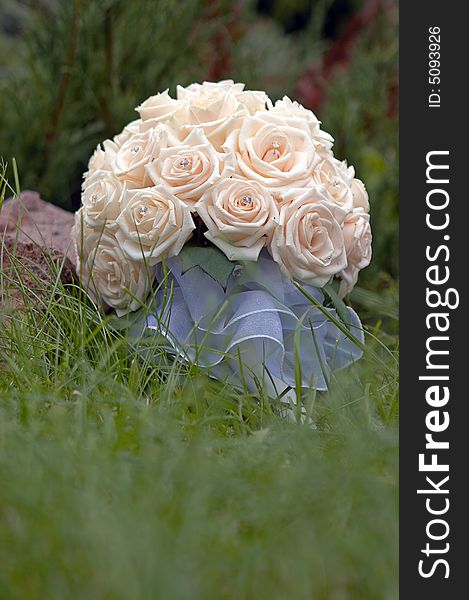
[{"x": 219, "y": 221}]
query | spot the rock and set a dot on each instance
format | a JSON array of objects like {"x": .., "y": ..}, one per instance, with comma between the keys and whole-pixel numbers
[
  {"x": 27, "y": 272},
  {"x": 38, "y": 221},
  {"x": 34, "y": 239}
]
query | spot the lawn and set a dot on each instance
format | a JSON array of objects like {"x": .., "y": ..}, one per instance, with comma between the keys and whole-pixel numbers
[{"x": 122, "y": 479}]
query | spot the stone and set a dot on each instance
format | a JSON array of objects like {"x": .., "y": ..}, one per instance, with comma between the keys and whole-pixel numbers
[
  {"x": 34, "y": 239},
  {"x": 31, "y": 219},
  {"x": 27, "y": 272}
]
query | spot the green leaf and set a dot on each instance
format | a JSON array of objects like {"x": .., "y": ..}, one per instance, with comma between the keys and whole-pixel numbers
[
  {"x": 210, "y": 259},
  {"x": 127, "y": 321},
  {"x": 339, "y": 304}
]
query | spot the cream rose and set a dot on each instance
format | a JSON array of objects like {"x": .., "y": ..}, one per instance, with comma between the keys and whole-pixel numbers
[
  {"x": 84, "y": 238},
  {"x": 102, "y": 158},
  {"x": 308, "y": 244},
  {"x": 136, "y": 152},
  {"x": 217, "y": 108},
  {"x": 105, "y": 272},
  {"x": 97, "y": 160},
  {"x": 122, "y": 284},
  {"x": 153, "y": 223},
  {"x": 252, "y": 100},
  {"x": 240, "y": 216},
  {"x": 337, "y": 179},
  {"x": 190, "y": 169},
  {"x": 159, "y": 108},
  {"x": 360, "y": 195},
  {"x": 276, "y": 152},
  {"x": 289, "y": 109},
  {"x": 101, "y": 199},
  {"x": 134, "y": 127},
  {"x": 357, "y": 239}
]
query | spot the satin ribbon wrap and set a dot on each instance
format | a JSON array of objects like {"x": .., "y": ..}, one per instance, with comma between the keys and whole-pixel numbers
[{"x": 253, "y": 330}]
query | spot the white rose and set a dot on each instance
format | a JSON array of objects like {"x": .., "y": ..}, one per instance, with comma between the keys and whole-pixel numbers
[
  {"x": 104, "y": 270},
  {"x": 360, "y": 195},
  {"x": 253, "y": 100},
  {"x": 135, "y": 153},
  {"x": 153, "y": 223},
  {"x": 308, "y": 244},
  {"x": 101, "y": 199},
  {"x": 85, "y": 238},
  {"x": 337, "y": 179},
  {"x": 357, "y": 238},
  {"x": 276, "y": 153},
  {"x": 159, "y": 108},
  {"x": 122, "y": 284},
  {"x": 240, "y": 216},
  {"x": 97, "y": 159},
  {"x": 226, "y": 85},
  {"x": 102, "y": 158},
  {"x": 129, "y": 130},
  {"x": 217, "y": 108},
  {"x": 191, "y": 168},
  {"x": 289, "y": 109}
]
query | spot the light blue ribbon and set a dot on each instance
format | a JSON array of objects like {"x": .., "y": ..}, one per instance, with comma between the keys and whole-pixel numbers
[{"x": 261, "y": 321}]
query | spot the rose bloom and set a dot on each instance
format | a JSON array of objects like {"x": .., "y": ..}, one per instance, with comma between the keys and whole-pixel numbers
[
  {"x": 276, "y": 152},
  {"x": 217, "y": 108},
  {"x": 308, "y": 244},
  {"x": 360, "y": 195},
  {"x": 191, "y": 168},
  {"x": 153, "y": 223},
  {"x": 289, "y": 109},
  {"x": 85, "y": 238},
  {"x": 129, "y": 130},
  {"x": 106, "y": 273},
  {"x": 252, "y": 100},
  {"x": 158, "y": 109},
  {"x": 357, "y": 238},
  {"x": 101, "y": 199},
  {"x": 240, "y": 216},
  {"x": 102, "y": 158},
  {"x": 136, "y": 152},
  {"x": 337, "y": 179}
]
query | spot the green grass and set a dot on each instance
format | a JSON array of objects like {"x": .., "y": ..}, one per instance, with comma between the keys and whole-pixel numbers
[{"x": 120, "y": 479}]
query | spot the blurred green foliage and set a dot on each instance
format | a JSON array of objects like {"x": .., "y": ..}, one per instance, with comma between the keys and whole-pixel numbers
[
  {"x": 357, "y": 114},
  {"x": 72, "y": 72},
  {"x": 82, "y": 66}
]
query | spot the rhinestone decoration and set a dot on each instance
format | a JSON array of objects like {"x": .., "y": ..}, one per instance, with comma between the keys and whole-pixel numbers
[
  {"x": 184, "y": 163},
  {"x": 246, "y": 201},
  {"x": 275, "y": 144},
  {"x": 94, "y": 198},
  {"x": 142, "y": 211},
  {"x": 135, "y": 149}
]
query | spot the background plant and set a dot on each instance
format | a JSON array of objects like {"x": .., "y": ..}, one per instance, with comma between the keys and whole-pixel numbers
[{"x": 73, "y": 71}]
